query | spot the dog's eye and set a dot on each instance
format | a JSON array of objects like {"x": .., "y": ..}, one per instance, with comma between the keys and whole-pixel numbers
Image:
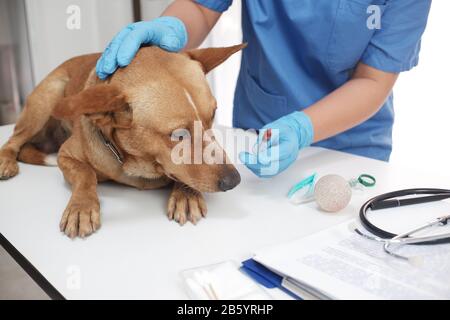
[{"x": 179, "y": 134}]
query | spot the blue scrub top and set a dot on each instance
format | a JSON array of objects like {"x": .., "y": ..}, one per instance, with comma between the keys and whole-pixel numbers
[{"x": 301, "y": 50}]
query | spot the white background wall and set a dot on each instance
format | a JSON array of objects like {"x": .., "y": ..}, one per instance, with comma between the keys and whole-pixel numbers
[
  {"x": 422, "y": 99},
  {"x": 52, "y": 42},
  {"x": 151, "y": 9},
  {"x": 227, "y": 32}
]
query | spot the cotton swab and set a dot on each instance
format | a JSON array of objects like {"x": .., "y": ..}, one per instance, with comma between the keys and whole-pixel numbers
[
  {"x": 263, "y": 145},
  {"x": 265, "y": 140},
  {"x": 204, "y": 280}
]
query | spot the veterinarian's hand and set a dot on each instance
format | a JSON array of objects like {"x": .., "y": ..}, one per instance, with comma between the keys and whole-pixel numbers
[
  {"x": 168, "y": 33},
  {"x": 289, "y": 134}
]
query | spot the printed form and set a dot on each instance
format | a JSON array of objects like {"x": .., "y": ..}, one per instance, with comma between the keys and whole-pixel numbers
[{"x": 339, "y": 264}]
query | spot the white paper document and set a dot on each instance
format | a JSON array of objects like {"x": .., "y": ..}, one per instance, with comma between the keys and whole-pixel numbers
[{"x": 339, "y": 264}]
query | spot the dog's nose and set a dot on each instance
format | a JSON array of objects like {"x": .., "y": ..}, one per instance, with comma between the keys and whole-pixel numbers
[{"x": 229, "y": 181}]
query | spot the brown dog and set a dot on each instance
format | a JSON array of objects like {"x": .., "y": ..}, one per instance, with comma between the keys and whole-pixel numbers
[{"x": 121, "y": 129}]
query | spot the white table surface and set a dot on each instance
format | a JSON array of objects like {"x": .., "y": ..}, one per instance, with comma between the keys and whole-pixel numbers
[{"x": 139, "y": 254}]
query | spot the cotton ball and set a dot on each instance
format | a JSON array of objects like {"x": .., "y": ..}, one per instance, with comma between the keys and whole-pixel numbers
[{"x": 332, "y": 193}]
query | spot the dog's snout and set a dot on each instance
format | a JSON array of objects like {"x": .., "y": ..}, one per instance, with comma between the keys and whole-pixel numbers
[{"x": 229, "y": 180}]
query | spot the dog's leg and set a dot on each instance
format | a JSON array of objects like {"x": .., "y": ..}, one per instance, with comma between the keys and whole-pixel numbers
[
  {"x": 30, "y": 154},
  {"x": 33, "y": 118},
  {"x": 82, "y": 214},
  {"x": 185, "y": 204}
]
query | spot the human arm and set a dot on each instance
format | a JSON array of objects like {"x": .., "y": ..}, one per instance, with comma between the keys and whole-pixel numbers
[
  {"x": 349, "y": 105},
  {"x": 198, "y": 19}
]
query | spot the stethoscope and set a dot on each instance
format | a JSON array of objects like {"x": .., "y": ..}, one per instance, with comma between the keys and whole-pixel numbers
[{"x": 391, "y": 200}]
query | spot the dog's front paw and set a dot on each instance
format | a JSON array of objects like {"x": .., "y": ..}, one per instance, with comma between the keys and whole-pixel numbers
[
  {"x": 186, "y": 204},
  {"x": 8, "y": 167},
  {"x": 80, "y": 219}
]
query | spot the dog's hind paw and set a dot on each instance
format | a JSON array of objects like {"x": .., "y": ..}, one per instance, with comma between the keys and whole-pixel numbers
[
  {"x": 80, "y": 219},
  {"x": 186, "y": 204},
  {"x": 8, "y": 168}
]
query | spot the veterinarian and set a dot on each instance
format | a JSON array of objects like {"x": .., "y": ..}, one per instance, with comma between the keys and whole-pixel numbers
[{"x": 319, "y": 71}]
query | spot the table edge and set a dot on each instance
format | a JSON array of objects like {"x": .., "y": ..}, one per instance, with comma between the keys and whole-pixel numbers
[{"x": 31, "y": 270}]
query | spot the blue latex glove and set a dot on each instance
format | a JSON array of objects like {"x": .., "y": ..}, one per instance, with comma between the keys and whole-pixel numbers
[
  {"x": 290, "y": 134},
  {"x": 168, "y": 33}
]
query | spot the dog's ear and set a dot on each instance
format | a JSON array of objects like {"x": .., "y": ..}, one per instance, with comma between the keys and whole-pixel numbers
[
  {"x": 210, "y": 58},
  {"x": 105, "y": 105}
]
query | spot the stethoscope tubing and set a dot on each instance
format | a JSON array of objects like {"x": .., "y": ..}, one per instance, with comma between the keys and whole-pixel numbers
[{"x": 385, "y": 201}]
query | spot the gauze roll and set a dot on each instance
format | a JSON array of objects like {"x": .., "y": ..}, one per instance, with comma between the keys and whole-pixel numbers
[{"x": 332, "y": 193}]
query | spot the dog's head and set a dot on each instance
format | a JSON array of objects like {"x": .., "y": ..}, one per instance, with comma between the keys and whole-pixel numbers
[{"x": 164, "y": 126}]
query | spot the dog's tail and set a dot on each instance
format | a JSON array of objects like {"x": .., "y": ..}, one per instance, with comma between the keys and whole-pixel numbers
[{"x": 30, "y": 154}]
